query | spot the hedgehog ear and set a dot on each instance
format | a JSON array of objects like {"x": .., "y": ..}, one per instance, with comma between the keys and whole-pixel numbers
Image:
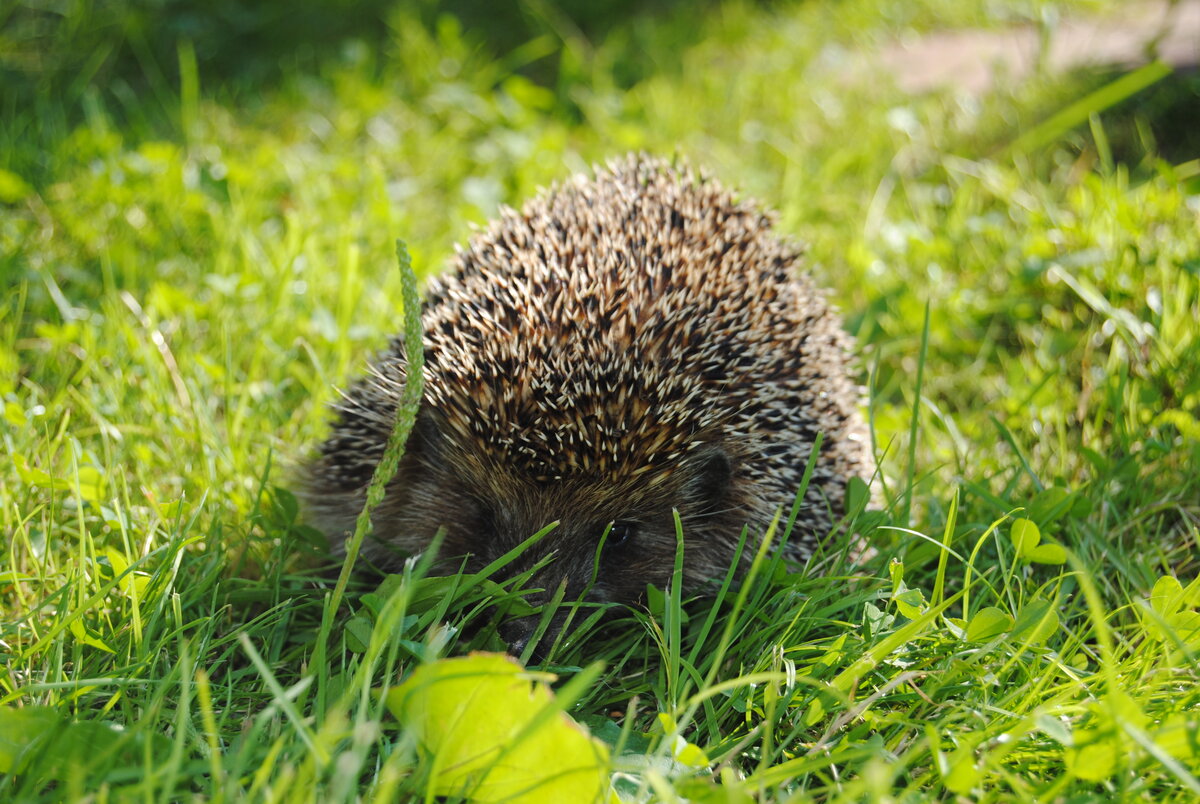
[{"x": 708, "y": 478}]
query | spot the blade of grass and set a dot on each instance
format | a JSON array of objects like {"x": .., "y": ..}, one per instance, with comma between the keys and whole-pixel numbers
[
  {"x": 915, "y": 422},
  {"x": 406, "y": 417},
  {"x": 1077, "y": 113}
]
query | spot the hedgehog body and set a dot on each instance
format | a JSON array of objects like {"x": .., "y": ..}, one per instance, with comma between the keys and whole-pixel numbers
[{"x": 625, "y": 345}]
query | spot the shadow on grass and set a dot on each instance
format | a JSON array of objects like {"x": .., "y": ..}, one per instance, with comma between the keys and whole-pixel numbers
[
  {"x": 250, "y": 46},
  {"x": 1163, "y": 119},
  {"x": 125, "y": 55}
]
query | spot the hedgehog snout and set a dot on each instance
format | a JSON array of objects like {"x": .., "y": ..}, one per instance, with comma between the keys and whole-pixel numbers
[
  {"x": 517, "y": 633},
  {"x": 551, "y": 581}
]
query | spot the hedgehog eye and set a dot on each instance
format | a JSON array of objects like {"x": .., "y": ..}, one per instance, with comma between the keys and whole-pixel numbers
[{"x": 620, "y": 534}]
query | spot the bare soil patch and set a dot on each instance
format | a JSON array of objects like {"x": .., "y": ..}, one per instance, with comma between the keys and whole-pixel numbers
[{"x": 973, "y": 60}]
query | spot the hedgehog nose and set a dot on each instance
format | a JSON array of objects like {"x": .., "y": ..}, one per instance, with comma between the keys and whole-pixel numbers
[{"x": 517, "y": 634}]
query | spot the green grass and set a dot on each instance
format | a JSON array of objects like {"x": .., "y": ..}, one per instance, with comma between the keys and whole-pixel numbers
[{"x": 191, "y": 265}]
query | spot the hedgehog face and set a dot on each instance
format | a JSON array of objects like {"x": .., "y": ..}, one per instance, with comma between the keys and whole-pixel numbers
[
  {"x": 488, "y": 508},
  {"x": 504, "y": 506}
]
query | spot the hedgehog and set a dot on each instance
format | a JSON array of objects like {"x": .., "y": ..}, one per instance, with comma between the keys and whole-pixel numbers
[{"x": 629, "y": 344}]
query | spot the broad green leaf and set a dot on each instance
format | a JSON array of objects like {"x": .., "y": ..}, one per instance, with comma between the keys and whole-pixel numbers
[
  {"x": 1036, "y": 622},
  {"x": 81, "y": 635},
  {"x": 957, "y": 626},
  {"x": 358, "y": 633},
  {"x": 132, "y": 585},
  {"x": 1098, "y": 748},
  {"x": 1056, "y": 728},
  {"x": 834, "y": 653},
  {"x": 876, "y": 619},
  {"x": 170, "y": 511},
  {"x": 285, "y": 503},
  {"x": 1081, "y": 508},
  {"x": 1177, "y": 735},
  {"x": 1125, "y": 708},
  {"x": 858, "y": 494},
  {"x": 1186, "y": 626},
  {"x": 32, "y": 474},
  {"x": 963, "y": 774},
  {"x": 91, "y": 483},
  {"x": 1050, "y": 504},
  {"x": 988, "y": 623},
  {"x": 1025, "y": 536},
  {"x": 1167, "y": 595},
  {"x": 39, "y": 740},
  {"x": 1187, "y": 425},
  {"x": 1168, "y": 599},
  {"x": 689, "y": 754},
  {"x": 1048, "y": 553},
  {"x": 655, "y": 599},
  {"x": 19, "y": 728},
  {"x": 115, "y": 519},
  {"x": 910, "y": 602},
  {"x": 14, "y": 414},
  {"x": 1191, "y": 594},
  {"x": 1096, "y": 757},
  {"x": 13, "y": 188},
  {"x": 605, "y": 728},
  {"x": 493, "y": 733},
  {"x": 684, "y": 752},
  {"x": 700, "y": 790}
]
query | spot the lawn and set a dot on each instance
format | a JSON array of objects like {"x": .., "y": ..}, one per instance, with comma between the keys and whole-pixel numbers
[{"x": 199, "y": 206}]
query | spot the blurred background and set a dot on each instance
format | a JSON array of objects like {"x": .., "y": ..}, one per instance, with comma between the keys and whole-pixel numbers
[{"x": 571, "y": 57}]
